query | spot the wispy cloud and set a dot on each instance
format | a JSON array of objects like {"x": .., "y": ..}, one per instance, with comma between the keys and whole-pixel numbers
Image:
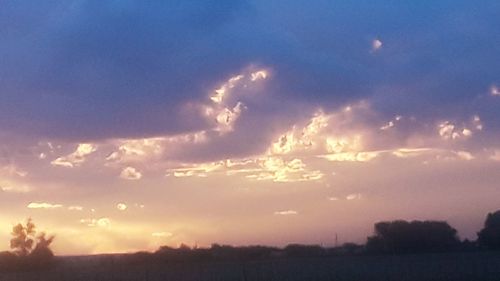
[
  {"x": 43, "y": 205},
  {"x": 161, "y": 234},
  {"x": 286, "y": 213}
]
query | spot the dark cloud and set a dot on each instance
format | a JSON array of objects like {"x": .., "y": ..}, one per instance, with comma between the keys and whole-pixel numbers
[{"x": 100, "y": 69}]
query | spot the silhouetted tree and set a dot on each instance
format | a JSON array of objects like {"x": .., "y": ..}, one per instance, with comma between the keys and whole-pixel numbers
[
  {"x": 23, "y": 240},
  {"x": 489, "y": 236},
  {"x": 32, "y": 251},
  {"x": 412, "y": 237},
  {"x": 42, "y": 252}
]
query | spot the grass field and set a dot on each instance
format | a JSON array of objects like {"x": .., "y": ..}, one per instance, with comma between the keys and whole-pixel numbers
[{"x": 451, "y": 266}]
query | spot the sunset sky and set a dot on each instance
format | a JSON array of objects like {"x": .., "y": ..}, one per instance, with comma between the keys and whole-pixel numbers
[{"x": 126, "y": 125}]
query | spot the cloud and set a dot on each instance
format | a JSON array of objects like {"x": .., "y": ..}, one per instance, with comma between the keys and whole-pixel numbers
[
  {"x": 12, "y": 170},
  {"x": 391, "y": 123},
  {"x": 121, "y": 206},
  {"x": 464, "y": 155},
  {"x": 494, "y": 91},
  {"x": 286, "y": 213},
  {"x": 260, "y": 168},
  {"x": 43, "y": 205},
  {"x": 279, "y": 170},
  {"x": 226, "y": 108},
  {"x": 81, "y": 93},
  {"x": 130, "y": 173},
  {"x": 16, "y": 188},
  {"x": 363, "y": 156},
  {"x": 75, "y": 208},
  {"x": 353, "y": 196},
  {"x": 376, "y": 45},
  {"x": 495, "y": 156},
  {"x": 449, "y": 131},
  {"x": 161, "y": 234},
  {"x": 100, "y": 222},
  {"x": 77, "y": 157},
  {"x": 412, "y": 152}
]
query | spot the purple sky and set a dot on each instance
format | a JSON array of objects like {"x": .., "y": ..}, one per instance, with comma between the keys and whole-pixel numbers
[{"x": 245, "y": 122}]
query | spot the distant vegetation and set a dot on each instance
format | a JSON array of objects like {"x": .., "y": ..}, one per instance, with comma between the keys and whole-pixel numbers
[
  {"x": 390, "y": 238},
  {"x": 32, "y": 251}
]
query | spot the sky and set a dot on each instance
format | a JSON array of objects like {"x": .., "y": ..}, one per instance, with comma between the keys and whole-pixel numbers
[{"x": 126, "y": 125}]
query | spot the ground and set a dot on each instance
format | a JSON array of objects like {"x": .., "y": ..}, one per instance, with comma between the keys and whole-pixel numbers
[{"x": 478, "y": 266}]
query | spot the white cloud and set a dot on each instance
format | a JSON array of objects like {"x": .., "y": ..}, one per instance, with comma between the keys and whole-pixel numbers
[
  {"x": 121, "y": 206},
  {"x": 494, "y": 91},
  {"x": 286, "y": 213},
  {"x": 353, "y": 196},
  {"x": 130, "y": 173},
  {"x": 101, "y": 222},
  {"x": 410, "y": 152},
  {"x": 75, "y": 208},
  {"x": 77, "y": 157},
  {"x": 264, "y": 167},
  {"x": 196, "y": 170},
  {"x": 43, "y": 205},
  {"x": 476, "y": 121},
  {"x": 298, "y": 139},
  {"x": 223, "y": 90},
  {"x": 259, "y": 75},
  {"x": 376, "y": 45},
  {"x": 279, "y": 170},
  {"x": 464, "y": 155},
  {"x": 362, "y": 156},
  {"x": 223, "y": 112},
  {"x": 450, "y": 131},
  {"x": 391, "y": 123},
  {"x": 161, "y": 234}
]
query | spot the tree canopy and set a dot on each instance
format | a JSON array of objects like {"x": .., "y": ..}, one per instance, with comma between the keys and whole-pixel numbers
[
  {"x": 489, "y": 236},
  {"x": 412, "y": 237}
]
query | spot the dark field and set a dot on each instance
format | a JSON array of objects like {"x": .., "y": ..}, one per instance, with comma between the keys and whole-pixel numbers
[{"x": 450, "y": 266}]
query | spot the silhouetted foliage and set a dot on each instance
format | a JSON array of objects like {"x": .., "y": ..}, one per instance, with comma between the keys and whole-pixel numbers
[
  {"x": 29, "y": 251},
  {"x": 23, "y": 240},
  {"x": 347, "y": 249},
  {"x": 297, "y": 250},
  {"x": 489, "y": 236},
  {"x": 401, "y": 237},
  {"x": 215, "y": 252},
  {"x": 8, "y": 261}
]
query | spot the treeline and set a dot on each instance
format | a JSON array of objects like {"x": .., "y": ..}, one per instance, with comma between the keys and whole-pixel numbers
[
  {"x": 32, "y": 252},
  {"x": 394, "y": 237}
]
